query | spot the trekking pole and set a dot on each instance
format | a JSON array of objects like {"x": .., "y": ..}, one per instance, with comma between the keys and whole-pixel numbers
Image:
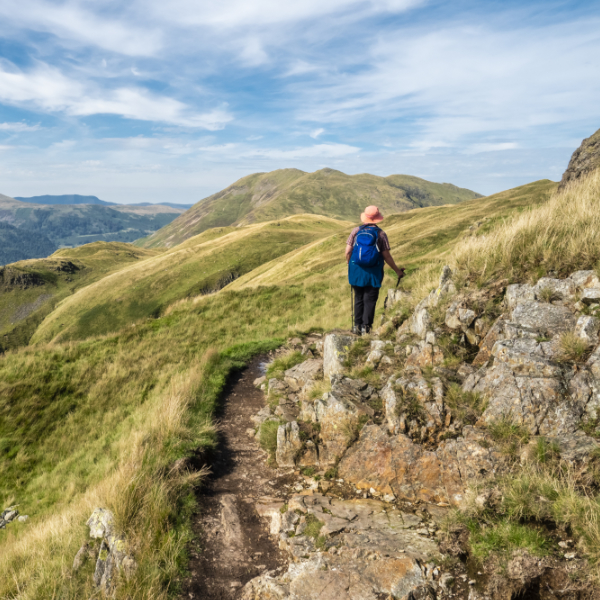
[
  {"x": 385, "y": 302},
  {"x": 352, "y": 307}
]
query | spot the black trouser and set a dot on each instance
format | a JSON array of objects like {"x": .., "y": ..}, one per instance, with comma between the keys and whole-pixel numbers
[{"x": 365, "y": 299}]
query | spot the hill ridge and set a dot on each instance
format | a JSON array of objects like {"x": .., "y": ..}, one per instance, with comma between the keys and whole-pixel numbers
[{"x": 261, "y": 197}]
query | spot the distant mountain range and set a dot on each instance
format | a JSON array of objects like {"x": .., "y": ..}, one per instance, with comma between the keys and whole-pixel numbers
[
  {"x": 36, "y": 230},
  {"x": 77, "y": 199},
  {"x": 268, "y": 196}
]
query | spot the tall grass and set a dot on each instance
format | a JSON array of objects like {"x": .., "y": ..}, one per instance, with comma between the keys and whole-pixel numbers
[{"x": 562, "y": 235}]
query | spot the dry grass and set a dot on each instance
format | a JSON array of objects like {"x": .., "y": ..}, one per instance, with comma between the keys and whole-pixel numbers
[
  {"x": 562, "y": 235},
  {"x": 572, "y": 347}
]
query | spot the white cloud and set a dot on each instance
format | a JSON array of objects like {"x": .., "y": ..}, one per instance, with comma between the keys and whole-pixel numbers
[
  {"x": 233, "y": 13},
  {"x": 491, "y": 147},
  {"x": 317, "y": 151},
  {"x": 46, "y": 88},
  {"x": 316, "y": 133},
  {"x": 73, "y": 21},
  {"x": 18, "y": 127}
]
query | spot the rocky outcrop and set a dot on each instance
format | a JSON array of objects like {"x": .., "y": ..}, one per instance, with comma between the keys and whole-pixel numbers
[
  {"x": 10, "y": 514},
  {"x": 110, "y": 552},
  {"x": 397, "y": 466},
  {"x": 584, "y": 160},
  {"x": 335, "y": 351},
  {"x": 359, "y": 549},
  {"x": 288, "y": 444}
]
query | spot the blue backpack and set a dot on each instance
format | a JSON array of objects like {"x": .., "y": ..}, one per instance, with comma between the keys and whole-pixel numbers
[{"x": 365, "y": 252}]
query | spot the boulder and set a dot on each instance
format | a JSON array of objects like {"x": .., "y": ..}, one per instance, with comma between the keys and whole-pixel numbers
[
  {"x": 396, "y": 465},
  {"x": 587, "y": 329},
  {"x": 338, "y": 416},
  {"x": 545, "y": 318},
  {"x": 288, "y": 444},
  {"x": 335, "y": 351},
  {"x": 101, "y": 523},
  {"x": 559, "y": 289},
  {"x": 585, "y": 279},
  {"x": 591, "y": 296},
  {"x": 396, "y": 295},
  {"x": 517, "y": 293},
  {"x": 307, "y": 371}
]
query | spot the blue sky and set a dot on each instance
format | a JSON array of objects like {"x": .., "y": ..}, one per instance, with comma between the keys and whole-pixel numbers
[{"x": 172, "y": 101}]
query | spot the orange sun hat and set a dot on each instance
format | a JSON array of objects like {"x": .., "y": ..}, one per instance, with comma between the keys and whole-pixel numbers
[{"x": 371, "y": 215}]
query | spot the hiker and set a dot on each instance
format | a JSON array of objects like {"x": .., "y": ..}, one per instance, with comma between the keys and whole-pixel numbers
[{"x": 367, "y": 249}]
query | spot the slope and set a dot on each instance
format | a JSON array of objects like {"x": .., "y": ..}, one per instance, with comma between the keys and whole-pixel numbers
[
  {"x": 73, "y": 225},
  {"x": 18, "y": 244},
  {"x": 101, "y": 422},
  {"x": 30, "y": 289},
  {"x": 64, "y": 199},
  {"x": 268, "y": 196},
  {"x": 201, "y": 265}
]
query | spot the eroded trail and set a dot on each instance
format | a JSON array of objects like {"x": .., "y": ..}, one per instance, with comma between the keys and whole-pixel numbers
[{"x": 234, "y": 546}]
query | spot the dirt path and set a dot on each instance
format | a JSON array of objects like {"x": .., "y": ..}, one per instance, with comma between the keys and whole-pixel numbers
[{"x": 234, "y": 545}]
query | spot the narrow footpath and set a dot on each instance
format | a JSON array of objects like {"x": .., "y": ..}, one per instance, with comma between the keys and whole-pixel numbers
[{"x": 233, "y": 544}]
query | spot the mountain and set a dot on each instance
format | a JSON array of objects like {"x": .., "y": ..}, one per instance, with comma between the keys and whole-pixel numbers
[
  {"x": 64, "y": 199},
  {"x": 171, "y": 204},
  {"x": 584, "y": 160},
  {"x": 69, "y": 225},
  {"x": 77, "y": 199},
  {"x": 278, "y": 194},
  {"x": 18, "y": 244}
]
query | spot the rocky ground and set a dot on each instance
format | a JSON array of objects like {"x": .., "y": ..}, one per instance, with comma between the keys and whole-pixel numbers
[{"x": 388, "y": 434}]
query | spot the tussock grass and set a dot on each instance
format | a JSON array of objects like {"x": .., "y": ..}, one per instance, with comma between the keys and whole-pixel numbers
[
  {"x": 561, "y": 235},
  {"x": 281, "y": 364},
  {"x": 466, "y": 406},
  {"x": 572, "y": 347},
  {"x": 268, "y": 436},
  {"x": 535, "y": 496}
]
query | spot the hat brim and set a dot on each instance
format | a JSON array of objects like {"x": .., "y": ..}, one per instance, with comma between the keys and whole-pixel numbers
[{"x": 376, "y": 219}]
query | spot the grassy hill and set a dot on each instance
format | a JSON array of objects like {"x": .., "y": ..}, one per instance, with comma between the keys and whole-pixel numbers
[
  {"x": 201, "y": 265},
  {"x": 268, "y": 196},
  {"x": 30, "y": 289},
  {"x": 76, "y": 224},
  {"x": 101, "y": 420}
]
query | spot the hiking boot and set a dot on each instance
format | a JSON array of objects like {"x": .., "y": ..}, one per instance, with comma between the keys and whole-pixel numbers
[
  {"x": 357, "y": 329},
  {"x": 365, "y": 329}
]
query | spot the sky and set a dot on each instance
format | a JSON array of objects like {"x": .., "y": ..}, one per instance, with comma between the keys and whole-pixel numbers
[{"x": 151, "y": 101}]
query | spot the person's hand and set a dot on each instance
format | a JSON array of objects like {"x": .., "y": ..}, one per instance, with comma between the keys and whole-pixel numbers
[{"x": 400, "y": 273}]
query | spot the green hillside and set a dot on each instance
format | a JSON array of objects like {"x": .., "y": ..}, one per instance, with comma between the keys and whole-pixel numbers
[
  {"x": 30, "y": 289},
  {"x": 73, "y": 225},
  {"x": 201, "y": 265},
  {"x": 268, "y": 196},
  {"x": 100, "y": 421}
]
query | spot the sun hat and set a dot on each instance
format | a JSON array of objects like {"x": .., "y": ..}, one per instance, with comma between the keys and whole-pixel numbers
[{"x": 371, "y": 215}]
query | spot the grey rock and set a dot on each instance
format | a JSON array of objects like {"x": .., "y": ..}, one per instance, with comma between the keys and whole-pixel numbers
[
  {"x": 583, "y": 161},
  {"x": 81, "y": 557},
  {"x": 591, "y": 296},
  {"x": 517, "y": 293},
  {"x": 101, "y": 523},
  {"x": 587, "y": 329},
  {"x": 259, "y": 381},
  {"x": 307, "y": 371},
  {"x": 585, "y": 279},
  {"x": 335, "y": 350},
  {"x": 23, "y": 518},
  {"x": 288, "y": 444},
  {"x": 546, "y": 318},
  {"x": 10, "y": 515},
  {"x": 101, "y": 563},
  {"x": 561, "y": 289},
  {"x": 264, "y": 414},
  {"x": 374, "y": 357},
  {"x": 2, "y": 524},
  {"x": 420, "y": 322},
  {"x": 396, "y": 295}
]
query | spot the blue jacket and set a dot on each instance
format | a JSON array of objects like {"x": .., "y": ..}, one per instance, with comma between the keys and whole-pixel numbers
[{"x": 366, "y": 276}]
